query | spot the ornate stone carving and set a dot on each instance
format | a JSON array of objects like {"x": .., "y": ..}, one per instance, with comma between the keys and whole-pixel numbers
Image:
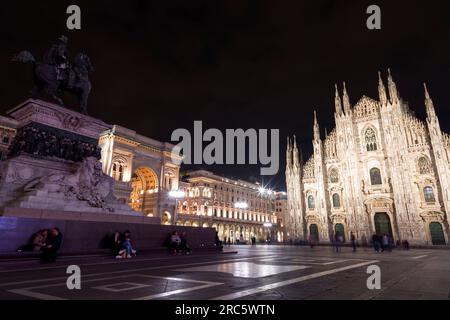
[{"x": 88, "y": 184}]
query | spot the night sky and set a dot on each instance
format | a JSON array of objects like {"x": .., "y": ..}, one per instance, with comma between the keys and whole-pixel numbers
[{"x": 160, "y": 65}]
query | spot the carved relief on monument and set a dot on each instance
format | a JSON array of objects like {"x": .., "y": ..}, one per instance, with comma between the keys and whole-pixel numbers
[{"x": 88, "y": 184}]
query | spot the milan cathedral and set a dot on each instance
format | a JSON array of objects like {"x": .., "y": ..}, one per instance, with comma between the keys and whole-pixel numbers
[{"x": 380, "y": 171}]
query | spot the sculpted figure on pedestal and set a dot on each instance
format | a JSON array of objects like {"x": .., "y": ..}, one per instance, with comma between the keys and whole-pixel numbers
[
  {"x": 88, "y": 183},
  {"x": 57, "y": 72}
]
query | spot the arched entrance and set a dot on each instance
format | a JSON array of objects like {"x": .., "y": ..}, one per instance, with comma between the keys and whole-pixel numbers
[
  {"x": 314, "y": 232},
  {"x": 144, "y": 183},
  {"x": 382, "y": 224},
  {"x": 437, "y": 234},
  {"x": 339, "y": 228}
]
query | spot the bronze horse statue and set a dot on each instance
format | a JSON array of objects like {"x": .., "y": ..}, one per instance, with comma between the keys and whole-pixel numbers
[{"x": 74, "y": 79}]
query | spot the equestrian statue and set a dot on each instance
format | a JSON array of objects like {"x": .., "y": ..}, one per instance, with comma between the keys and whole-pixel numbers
[{"x": 58, "y": 73}]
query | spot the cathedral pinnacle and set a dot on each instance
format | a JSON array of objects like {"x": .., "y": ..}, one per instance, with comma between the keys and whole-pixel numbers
[
  {"x": 429, "y": 103},
  {"x": 382, "y": 90},
  {"x": 316, "y": 128},
  {"x": 337, "y": 102},
  {"x": 346, "y": 101},
  {"x": 393, "y": 93},
  {"x": 288, "y": 152}
]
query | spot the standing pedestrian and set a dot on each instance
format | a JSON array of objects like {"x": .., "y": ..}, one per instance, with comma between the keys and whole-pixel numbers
[
  {"x": 384, "y": 242},
  {"x": 353, "y": 240},
  {"x": 376, "y": 242},
  {"x": 337, "y": 242},
  {"x": 311, "y": 241}
]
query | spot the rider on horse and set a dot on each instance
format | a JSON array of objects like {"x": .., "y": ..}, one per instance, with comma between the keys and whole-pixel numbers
[
  {"x": 58, "y": 73},
  {"x": 58, "y": 56}
]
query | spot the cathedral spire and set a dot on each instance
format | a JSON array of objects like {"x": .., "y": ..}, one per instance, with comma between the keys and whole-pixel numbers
[
  {"x": 296, "y": 158},
  {"x": 346, "y": 101},
  {"x": 382, "y": 90},
  {"x": 431, "y": 113},
  {"x": 393, "y": 93},
  {"x": 337, "y": 102},
  {"x": 316, "y": 128},
  {"x": 288, "y": 153}
]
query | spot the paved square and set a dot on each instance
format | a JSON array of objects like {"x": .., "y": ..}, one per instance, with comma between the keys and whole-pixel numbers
[
  {"x": 264, "y": 272},
  {"x": 245, "y": 269},
  {"x": 122, "y": 286}
]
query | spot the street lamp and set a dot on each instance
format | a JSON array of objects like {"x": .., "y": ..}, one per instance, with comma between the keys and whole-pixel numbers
[{"x": 177, "y": 195}]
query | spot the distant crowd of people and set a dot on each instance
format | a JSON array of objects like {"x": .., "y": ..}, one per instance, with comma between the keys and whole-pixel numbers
[
  {"x": 380, "y": 243},
  {"x": 227, "y": 241}
]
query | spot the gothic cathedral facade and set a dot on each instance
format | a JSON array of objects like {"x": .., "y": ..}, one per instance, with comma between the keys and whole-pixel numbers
[{"x": 381, "y": 170}]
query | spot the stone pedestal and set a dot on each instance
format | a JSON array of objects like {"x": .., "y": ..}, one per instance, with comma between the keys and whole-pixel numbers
[{"x": 53, "y": 163}]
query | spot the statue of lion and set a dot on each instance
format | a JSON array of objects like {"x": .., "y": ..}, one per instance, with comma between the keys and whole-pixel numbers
[{"x": 88, "y": 183}]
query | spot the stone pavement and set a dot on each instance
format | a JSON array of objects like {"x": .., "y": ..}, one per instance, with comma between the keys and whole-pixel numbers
[{"x": 254, "y": 273}]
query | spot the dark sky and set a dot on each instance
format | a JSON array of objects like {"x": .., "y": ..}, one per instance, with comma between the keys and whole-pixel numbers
[{"x": 160, "y": 65}]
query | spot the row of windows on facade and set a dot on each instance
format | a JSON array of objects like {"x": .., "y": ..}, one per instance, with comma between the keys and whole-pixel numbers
[
  {"x": 241, "y": 216},
  {"x": 375, "y": 174},
  {"x": 195, "y": 192},
  {"x": 370, "y": 139},
  {"x": 216, "y": 187},
  {"x": 428, "y": 194},
  {"x": 235, "y": 214},
  {"x": 193, "y": 207}
]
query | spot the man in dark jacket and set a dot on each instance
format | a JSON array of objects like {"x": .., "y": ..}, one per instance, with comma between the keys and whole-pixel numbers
[{"x": 54, "y": 241}]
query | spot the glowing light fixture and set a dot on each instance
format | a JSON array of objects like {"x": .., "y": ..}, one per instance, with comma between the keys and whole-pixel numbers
[
  {"x": 177, "y": 194},
  {"x": 241, "y": 205}
]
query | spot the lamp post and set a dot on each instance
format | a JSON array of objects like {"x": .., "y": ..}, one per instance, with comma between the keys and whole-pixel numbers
[{"x": 177, "y": 195}]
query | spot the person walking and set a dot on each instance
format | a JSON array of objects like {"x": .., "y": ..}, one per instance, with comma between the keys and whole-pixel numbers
[
  {"x": 353, "y": 240},
  {"x": 312, "y": 241},
  {"x": 384, "y": 242},
  {"x": 337, "y": 242},
  {"x": 376, "y": 243}
]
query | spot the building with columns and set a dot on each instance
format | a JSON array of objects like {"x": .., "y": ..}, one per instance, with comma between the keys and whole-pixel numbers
[
  {"x": 380, "y": 170},
  {"x": 237, "y": 209},
  {"x": 145, "y": 171}
]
